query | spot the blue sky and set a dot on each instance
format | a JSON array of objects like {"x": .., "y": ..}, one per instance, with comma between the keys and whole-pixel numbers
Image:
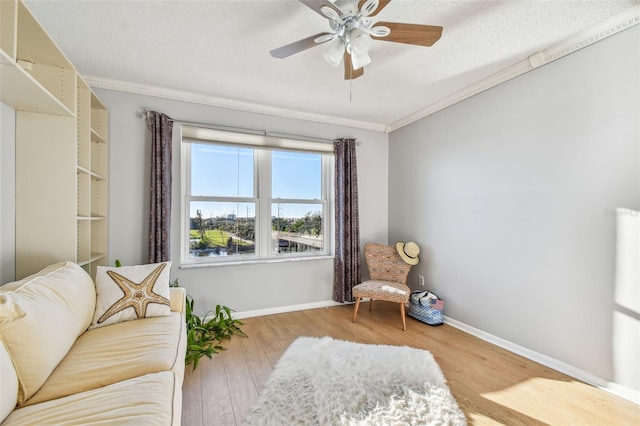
[{"x": 228, "y": 172}]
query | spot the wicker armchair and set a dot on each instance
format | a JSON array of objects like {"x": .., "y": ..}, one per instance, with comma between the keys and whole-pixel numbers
[{"x": 388, "y": 278}]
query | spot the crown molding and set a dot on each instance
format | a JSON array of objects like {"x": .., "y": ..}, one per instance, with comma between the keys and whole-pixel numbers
[
  {"x": 583, "y": 39},
  {"x": 184, "y": 96}
]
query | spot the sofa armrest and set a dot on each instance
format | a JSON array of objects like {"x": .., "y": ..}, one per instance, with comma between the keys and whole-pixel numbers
[{"x": 177, "y": 299}]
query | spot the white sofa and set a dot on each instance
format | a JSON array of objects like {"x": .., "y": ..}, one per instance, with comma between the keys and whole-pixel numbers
[{"x": 56, "y": 371}]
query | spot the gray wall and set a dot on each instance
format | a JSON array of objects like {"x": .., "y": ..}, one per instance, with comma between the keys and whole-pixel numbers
[
  {"x": 246, "y": 287},
  {"x": 7, "y": 194},
  {"x": 511, "y": 196}
]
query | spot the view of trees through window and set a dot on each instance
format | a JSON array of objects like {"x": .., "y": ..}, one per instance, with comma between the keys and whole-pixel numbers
[
  {"x": 229, "y": 234},
  {"x": 224, "y": 202},
  {"x": 223, "y": 235},
  {"x": 296, "y": 234}
]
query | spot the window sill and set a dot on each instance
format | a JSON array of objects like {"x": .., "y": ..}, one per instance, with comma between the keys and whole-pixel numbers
[{"x": 252, "y": 262}]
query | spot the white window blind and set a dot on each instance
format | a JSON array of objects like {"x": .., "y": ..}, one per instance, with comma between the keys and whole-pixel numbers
[{"x": 253, "y": 140}]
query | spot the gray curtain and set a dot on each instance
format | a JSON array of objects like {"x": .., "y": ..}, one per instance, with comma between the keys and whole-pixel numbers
[
  {"x": 347, "y": 259},
  {"x": 161, "y": 127}
]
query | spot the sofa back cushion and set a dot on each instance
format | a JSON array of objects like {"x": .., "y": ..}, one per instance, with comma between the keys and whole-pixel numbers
[
  {"x": 40, "y": 318},
  {"x": 8, "y": 384}
]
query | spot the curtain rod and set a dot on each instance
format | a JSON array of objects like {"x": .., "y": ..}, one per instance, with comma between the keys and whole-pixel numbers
[{"x": 144, "y": 113}]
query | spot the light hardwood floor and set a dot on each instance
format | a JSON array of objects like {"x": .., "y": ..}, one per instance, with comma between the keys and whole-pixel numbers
[{"x": 492, "y": 386}]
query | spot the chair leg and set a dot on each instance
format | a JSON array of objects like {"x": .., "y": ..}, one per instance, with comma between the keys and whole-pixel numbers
[
  {"x": 404, "y": 320},
  {"x": 370, "y": 304},
  {"x": 355, "y": 310}
]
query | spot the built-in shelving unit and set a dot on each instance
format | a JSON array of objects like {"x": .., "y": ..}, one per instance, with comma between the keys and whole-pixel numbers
[
  {"x": 61, "y": 149},
  {"x": 96, "y": 223}
]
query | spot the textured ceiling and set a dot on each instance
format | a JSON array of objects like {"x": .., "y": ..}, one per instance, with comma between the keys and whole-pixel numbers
[{"x": 221, "y": 49}]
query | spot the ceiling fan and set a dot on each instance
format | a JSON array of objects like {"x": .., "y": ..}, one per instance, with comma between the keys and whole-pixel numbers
[{"x": 352, "y": 30}]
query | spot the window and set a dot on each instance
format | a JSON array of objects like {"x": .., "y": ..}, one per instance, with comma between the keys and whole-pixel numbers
[{"x": 252, "y": 197}]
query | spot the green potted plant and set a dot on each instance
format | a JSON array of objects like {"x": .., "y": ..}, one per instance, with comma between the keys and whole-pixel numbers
[{"x": 205, "y": 335}]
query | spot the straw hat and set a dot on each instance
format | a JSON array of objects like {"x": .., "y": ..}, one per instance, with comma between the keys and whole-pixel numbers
[{"x": 408, "y": 252}]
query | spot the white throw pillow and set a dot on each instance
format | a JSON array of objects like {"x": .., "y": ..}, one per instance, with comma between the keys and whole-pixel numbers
[{"x": 131, "y": 292}]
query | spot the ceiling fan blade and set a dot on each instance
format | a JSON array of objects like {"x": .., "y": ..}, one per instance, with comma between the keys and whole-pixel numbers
[
  {"x": 316, "y": 6},
  {"x": 296, "y": 46},
  {"x": 381, "y": 5},
  {"x": 349, "y": 72},
  {"x": 420, "y": 35}
]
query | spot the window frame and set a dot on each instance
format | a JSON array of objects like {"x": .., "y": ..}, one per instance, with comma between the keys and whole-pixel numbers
[{"x": 263, "y": 204}]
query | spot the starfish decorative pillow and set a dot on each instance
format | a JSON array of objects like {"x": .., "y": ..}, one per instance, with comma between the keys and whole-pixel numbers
[{"x": 131, "y": 292}]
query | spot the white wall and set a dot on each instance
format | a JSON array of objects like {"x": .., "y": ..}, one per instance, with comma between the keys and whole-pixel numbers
[
  {"x": 511, "y": 195},
  {"x": 7, "y": 194},
  {"x": 243, "y": 288}
]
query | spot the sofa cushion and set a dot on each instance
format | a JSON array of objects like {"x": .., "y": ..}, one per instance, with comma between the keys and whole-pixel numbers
[
  {"x": 106, "y": 355},
  {"x": 177, "y": 298},
  {"x": 144, "y": 400},
  {"x": 8, "y": 384},
  {"x": 41, "y": 318},
  {"x": 131, "y": 292}
]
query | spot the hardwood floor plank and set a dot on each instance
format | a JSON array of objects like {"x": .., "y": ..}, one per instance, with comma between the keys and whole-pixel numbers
[
  {"x": 282, "y": 329},
  {"x": 217, "y": 405},
  {"x": 192, "y": 398},
  {"x": 257, "y": 328},
  {"x": 259, "y": 366},
  {"x": 243, "y": 391},
  {"x": 492, "y": 385}
]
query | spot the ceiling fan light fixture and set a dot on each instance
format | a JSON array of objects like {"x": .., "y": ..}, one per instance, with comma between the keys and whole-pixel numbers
[
  {"x": 360, "y": 41},
  {"x": 354, "y": 26},
  {"x": 359, "y": 60},
  {"x": 334, "y": 52}
]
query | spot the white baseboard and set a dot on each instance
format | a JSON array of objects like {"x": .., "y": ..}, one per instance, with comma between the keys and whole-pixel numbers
[
  {"x": 614, "y": 388},
  {"x": 283, "y": 309}
]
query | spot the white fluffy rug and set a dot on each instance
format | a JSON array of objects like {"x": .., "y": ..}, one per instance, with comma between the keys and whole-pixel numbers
[{"x": 333, "y": 382}]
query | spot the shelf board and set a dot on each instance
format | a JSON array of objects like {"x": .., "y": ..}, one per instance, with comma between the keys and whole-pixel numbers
[
  {"x": 33, "y": 42},
  {"x": 96, "y": 103},
  {"x": 91, "y": 218},
  {"x": 95, "y": 137},
  {"x": 22, "y": 92},
  {"x": 94, "y": 257},
  {"x": 94, "y": 176}
]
